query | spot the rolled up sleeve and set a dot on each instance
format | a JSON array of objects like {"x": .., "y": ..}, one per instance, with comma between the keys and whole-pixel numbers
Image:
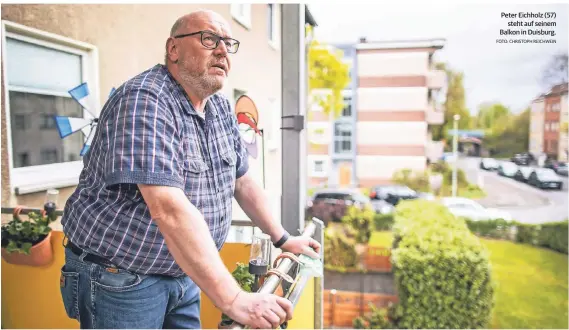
[{"x": 142, "y": 142}]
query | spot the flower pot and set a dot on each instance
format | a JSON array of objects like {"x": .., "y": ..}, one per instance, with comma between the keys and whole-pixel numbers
[
  {"x": 224, "y": 324},
  {"x": 41, "y": 254}
]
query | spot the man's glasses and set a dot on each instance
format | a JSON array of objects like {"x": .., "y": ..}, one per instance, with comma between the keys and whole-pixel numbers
[{"x": 211, "y": 40}]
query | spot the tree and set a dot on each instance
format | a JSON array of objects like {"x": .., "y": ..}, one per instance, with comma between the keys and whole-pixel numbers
[
  {"x": 555, "y": 71},
  {"x": 326, "y": 72},
  {"x": 491, "y": 114},
  {"x": 454, "y": 103},
  {"x": 509, "y": 135}
]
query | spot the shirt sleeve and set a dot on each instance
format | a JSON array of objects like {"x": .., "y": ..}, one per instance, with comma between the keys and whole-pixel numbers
[
  {"x": 240, "y": 150},
  {"x": 142, "y": 141}
]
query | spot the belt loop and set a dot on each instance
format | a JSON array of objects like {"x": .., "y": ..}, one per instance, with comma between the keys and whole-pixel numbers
[{"x": 83, "y": 255}]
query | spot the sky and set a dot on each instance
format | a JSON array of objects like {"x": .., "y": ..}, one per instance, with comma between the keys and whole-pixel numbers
[{"x": 493, "y": 72}]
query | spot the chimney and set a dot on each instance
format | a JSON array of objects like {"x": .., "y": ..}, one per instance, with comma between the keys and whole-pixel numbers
[{"x": 363, "y": 40}]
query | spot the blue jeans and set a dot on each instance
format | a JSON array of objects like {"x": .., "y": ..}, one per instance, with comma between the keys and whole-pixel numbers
[{"x": 110, "y": 298}]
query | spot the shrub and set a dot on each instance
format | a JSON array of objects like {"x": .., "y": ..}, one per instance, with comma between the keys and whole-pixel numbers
[
  {"x": 527, "y": 233},
  {"x": 383, "y": 221},
  {"x": 339, "y": 250},
  {"x": 554, "y": 236},
  {"x": 326, "y": 212},
  {"x": 440, "y": 167},
  {"x": 418, "y": 181},
  {"x": 499, "y": 228},
  {"x": 361, "y": 221},
  {"x": 441, "y": 270},
  {"x": 378, "y": 318}
]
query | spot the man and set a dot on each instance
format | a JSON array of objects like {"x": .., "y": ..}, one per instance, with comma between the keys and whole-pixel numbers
[{"x": 153, "y": 205}]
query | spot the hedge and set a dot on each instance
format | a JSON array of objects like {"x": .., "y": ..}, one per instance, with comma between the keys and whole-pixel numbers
[
  {"x": 339, "y": 250},
  {"x": 554, "y": 235},
  {"x": 383, "y": 222},
  {"x": 441, "y": 270}
]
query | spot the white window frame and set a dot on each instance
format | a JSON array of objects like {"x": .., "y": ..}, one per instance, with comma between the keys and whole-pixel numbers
[
  {"x": 274, "y": 38},
  {"x": 42, "y": 177},
  {"x": 242, "y": 18},
  {"x": 312, "y": 160}
]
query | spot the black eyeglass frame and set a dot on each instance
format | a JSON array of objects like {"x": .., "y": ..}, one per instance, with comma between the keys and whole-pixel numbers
[{"x": 219, "y": 38}]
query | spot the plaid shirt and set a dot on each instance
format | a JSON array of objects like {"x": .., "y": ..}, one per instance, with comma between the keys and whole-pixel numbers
[{"x": 149, "y": 133}]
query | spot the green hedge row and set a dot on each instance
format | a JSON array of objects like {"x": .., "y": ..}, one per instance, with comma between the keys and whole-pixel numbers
[
  {"x": 554, "y": 235},
  {"x": 441, "y": 269}
]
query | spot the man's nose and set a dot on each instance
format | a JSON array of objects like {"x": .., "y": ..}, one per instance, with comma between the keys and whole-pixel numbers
[{"x": 221, "y": 48}]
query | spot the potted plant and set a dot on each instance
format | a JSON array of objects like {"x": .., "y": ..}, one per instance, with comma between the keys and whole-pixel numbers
[
  {"x": 245, "y": 280},
  {"x": 28, "y": 242}
]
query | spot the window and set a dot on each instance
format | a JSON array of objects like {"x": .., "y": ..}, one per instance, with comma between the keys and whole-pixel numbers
[
  {"x": 40, "y": 69},
  {"x": 272, "y": 24},
  {"x": 319, "y": 166},
  {"x": 342, "y": 138},
  {"x": 242, "y": 14},
  {"x": 347, "y": 111}
]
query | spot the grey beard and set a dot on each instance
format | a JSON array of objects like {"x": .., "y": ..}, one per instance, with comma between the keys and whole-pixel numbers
[{"x": 202, "y": 84}]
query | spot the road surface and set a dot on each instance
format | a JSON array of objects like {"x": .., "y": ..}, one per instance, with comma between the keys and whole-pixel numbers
[{"x": 527, "y": 204}]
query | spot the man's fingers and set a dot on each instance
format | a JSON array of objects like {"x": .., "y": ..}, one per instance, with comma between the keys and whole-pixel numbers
[
  {"x": 281, "y": 313},
  {"x": 315, "y": 245},
  {"x": 310, "y": 252},
  {"x": 286, "y": 305},
  {"x": 272, "y": 318}
]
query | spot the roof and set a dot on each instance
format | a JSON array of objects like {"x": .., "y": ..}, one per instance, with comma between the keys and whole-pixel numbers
[
  {"x": 437, "y": 43},
  {"x": 556, "y": 90},
  {"x": 308, "y": 18}
]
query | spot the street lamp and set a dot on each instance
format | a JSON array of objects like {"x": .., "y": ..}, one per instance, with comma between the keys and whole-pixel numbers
[{"x": 455, "y": 153}]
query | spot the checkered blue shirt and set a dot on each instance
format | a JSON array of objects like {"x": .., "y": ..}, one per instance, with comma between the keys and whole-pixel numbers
[{"x": 149, "y": 133}]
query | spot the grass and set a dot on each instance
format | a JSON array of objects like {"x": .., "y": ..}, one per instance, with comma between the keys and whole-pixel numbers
[
  {"x": 531, "y": 284},
  {"x": 531, "y": 291}
]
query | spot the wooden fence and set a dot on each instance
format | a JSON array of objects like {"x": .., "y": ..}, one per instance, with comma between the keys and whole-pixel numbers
[
  {"x": 377, "y": 259},
  {"x": 342, "y": 307}
]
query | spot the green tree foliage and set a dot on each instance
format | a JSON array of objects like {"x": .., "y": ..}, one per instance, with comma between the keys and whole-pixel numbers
[
  {"x": 328, "y": 72},
  {"x": 509, "y": 134},
  {"x": 455, "y": 103},
  {"x": 491, "y": 114}
]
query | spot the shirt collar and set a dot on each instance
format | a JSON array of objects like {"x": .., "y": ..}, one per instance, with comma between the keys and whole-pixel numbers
[{"x": 186, "y": 103}]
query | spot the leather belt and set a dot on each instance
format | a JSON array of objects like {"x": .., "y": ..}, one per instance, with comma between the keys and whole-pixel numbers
[{"x": 89, "y": 256}]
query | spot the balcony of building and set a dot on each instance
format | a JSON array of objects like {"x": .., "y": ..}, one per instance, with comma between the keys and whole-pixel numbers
[
  {"x": 435, "y": 115},
  {"x": 436, "y": 79}
]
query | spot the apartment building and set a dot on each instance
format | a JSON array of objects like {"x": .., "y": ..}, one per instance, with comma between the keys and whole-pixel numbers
[
  {"x": 548, "y": 121},
  {"x": 393, "y": 99}
]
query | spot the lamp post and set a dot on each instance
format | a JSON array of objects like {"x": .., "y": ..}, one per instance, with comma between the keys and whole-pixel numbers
[{"x": 455, "y": 154}]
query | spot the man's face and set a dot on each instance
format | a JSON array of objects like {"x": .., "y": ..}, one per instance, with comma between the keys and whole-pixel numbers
[{"x": 206, "y": 69}]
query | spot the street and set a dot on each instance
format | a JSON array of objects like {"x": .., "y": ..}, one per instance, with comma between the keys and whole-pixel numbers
[{"x": 527, "y": 204}]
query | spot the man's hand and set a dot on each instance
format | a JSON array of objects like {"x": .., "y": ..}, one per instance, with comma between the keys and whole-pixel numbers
[
  {"x": 302, "y": 245},
  {"x": 260, "y": 310}
]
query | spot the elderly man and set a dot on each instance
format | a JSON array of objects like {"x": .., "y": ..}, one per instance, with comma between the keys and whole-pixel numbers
[{"x": 153, "y": 205}]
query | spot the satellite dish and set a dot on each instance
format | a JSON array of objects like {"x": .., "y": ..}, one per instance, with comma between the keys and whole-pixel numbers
[
  {"x": 248, "y": 120},
  {"x": 70, "y": 125}
]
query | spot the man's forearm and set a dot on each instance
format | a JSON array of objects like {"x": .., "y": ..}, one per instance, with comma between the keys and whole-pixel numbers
[
  {"x": 253, "y": 200},
  {"x": 189, "y": 241}
]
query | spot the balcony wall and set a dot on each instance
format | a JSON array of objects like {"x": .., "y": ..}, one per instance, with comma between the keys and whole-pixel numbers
[
  {"x": 436, "y": 79},
  {"x": 435, "y": 116},
  {"x": 31, "y": 298}
]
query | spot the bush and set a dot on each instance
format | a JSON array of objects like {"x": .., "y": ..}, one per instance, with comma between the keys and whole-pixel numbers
[
  {"x": 377, "y": 319},
  {"x": 326, "y": 212},
  {"x": 383, "y": 221},
  {"x": 361, "y": 222},
  {"x": 441, "y": 270},
  {"x": 554, "y": 236},
  {"x": 418, "y": 181},
  {"x": 499, "y": 228},
  {"x": 339, "y": 250}
]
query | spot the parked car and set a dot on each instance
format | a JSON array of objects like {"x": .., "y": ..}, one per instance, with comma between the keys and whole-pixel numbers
[
  {"x": 489, "y": 164},
  {"x": 524, "y": 158},
  {"x": 523, "y": 173},
  {"x": 467, "y": 208},
  {"x": 545, "y": 178},
  {"x": 392, "y": 194},
  {"x": 556, "y": 166},
  {"x": 507, "y": 169}
]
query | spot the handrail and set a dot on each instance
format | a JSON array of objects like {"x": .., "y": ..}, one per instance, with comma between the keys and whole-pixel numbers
[{"x": 272, "y": 281}]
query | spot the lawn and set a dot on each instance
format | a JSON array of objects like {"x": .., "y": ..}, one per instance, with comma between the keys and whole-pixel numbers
[{"x": 531, "y": 284}]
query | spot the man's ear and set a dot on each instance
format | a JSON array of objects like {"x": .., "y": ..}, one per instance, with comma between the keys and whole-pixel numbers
[{"x": 172, "y": 50}]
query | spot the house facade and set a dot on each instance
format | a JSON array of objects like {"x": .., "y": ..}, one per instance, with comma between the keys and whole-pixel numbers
[
  {"x": 49, "y": 49},
  {"x": 393, "y": 99},
  {"x": 548, "y": 122}
]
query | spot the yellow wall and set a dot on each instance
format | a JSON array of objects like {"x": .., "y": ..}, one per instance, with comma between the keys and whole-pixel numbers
[{"x": 31, "y": 298}]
